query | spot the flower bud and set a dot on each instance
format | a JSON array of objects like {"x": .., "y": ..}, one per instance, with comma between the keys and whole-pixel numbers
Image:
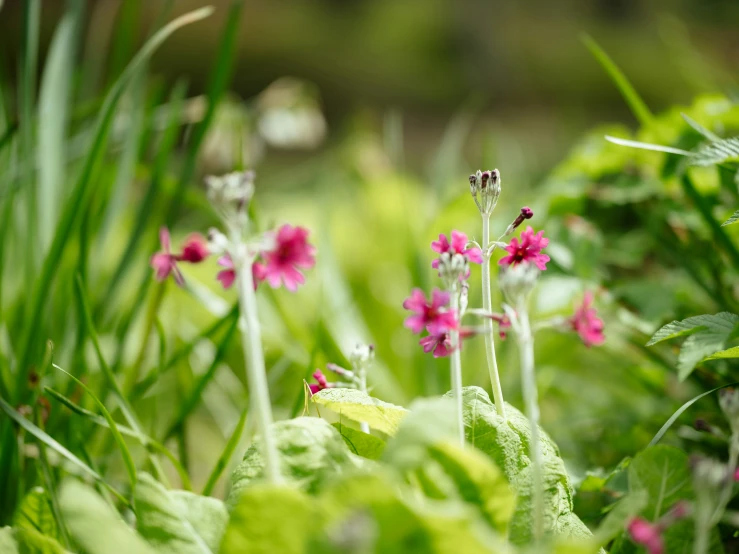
[
  {"x": 485, "y": 190},
  {"x": 362, "y": 356},
  {"x": 453, "y": 268},
  {"x": 526, "y": 213},
  {"x": 517, "y": 281},
  {"x": 231, "y": 192}
]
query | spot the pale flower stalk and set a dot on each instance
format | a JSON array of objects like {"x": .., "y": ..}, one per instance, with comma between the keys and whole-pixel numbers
[{"x": 455, "y": 366}]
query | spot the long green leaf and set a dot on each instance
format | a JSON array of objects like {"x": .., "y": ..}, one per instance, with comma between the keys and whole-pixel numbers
[
  {"x": 145, "y": 440},
  {"x": 681, "y": 410},
  {"x": 52, "y": 124},
  {"x": 79, "y": 197},
  {"x": 127, "y": 458},
  {"x": 58, "y": 448},
  {"x": 225, "y": 456},
  {"x": 627, "y": 90}
]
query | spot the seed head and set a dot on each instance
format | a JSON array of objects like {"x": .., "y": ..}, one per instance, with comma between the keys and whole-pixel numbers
[{"x": 485, "y": 190}]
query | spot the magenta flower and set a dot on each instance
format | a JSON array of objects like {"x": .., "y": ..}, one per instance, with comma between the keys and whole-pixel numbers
[
  {"x": 227, "y": 276},
  {"x": 290, "y": 254},
  {"x": 585, "y": 322},
  {"x": 429, "y": 314},
  {"x": 647, "y": 535},
  {"x": 322, "y": 382},
  {"x": 438, "y": 343},
  {"x": 195, "y": 249},
  {"x": 504, "y": 323},
  {"x": 528, "y": 250},
  {"x": 458, "y": 245},
  {"x": 164, "y": 262}
]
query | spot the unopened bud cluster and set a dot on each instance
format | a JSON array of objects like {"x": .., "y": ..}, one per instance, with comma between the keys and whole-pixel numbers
[
  {"x": 517, "y": 281},
  {"x": 453, "y": 267},
  {"x": 485, "y": 190},
  {"x": 230, "y": 194}
]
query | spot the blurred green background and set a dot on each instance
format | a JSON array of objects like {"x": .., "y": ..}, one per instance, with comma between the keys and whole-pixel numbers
[{"x": 363, "y": 120}]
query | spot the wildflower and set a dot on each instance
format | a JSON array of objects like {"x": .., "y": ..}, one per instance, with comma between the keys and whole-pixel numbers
[
  {"x": 485, "y": 190},
  {"x": 458, "y": 245},
  {"x": 647, "y": 535},
  {"x": 322, "y": 382},
  {"x": 195, "y": 249},
  {"x": 164, "y": 262},
  {"x": 427, "y": 313},
  {"x": 528, "y": 250},
  {"x": 290, "y": 253},
  {"x": 227, "y": 276},
  {"x": 440, "y": 343},
  {"x": 586, "y": 323},
  {"x": 504, "y": 323}
]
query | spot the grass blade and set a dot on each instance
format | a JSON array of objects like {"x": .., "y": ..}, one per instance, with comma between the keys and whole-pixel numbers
[
  {"x": 145, "y": 440},
  {"x": 80, "y": 195},
  {"x": 647, "y": 146},
  {"x": 681, "y": 410},
  {"x": 127, "y": 458},
  {"x": 225, "y": 456},
  {"x": 52, "y": 125},
  {"x": 638, "y": 107},
  {"x": 58, "y": 448}
]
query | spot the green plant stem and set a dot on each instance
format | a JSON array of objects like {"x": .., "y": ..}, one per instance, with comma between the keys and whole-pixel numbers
[
  {"x": 487, "y": 305},
  {"x": 362, "y": 375},
  {"x": 531, "y": 404},
  {"x": 727, "y": 491},
  {"x": 455, "y": 364},
  {"x": 256, "y": 373}
]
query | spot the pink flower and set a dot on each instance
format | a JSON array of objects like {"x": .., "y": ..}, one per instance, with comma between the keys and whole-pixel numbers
[
  {"x": 586, "y": 323},
  {"x": 291, "y": 253},
  {"x": 195, "y": 249},
  {"x": 228, "y": 276},
  {"x": 457, "y": 246},
  {"x": 736, "y": 474},
  {"x": 529, "y": 250},
  {"x": 322, "y": 382},
  {"x": 164, "y": 262},
  {"x": 428, "y": 314},
  {"x": 647, "y": 535},
  {"x": 440, "y": 342},
  {"x": 504, "y": 323}
]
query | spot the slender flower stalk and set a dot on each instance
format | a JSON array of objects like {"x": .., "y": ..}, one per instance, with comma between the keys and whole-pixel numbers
[
  {"x": 256, "y": 374},
  {"x": 455, "y": 366},
  {"x": 489, "y": 332},
  {"x": 531, "y": 405}
]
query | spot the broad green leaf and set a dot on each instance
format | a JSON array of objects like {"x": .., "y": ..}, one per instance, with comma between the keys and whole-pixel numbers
[
  {"x": 178, "y": 523},
  {"x": 310, "y": 451},
  {"x": 7, "y": 541},
  {"x": 733, "y": 219},
  {"x": 615, "y": 522},
  {"x": 722, "y": 323},
  {"x": 358, "y": 406},
  {"x": 707, "y": 335},
  {"x": 35, "y": 513},
  {"x": 506, "y": 442},
  {"x": 270, "y": 519},
  {"x": 664, "y": 474},
  {"x": 33, "y": 542},
  {"x": 716, "y": 152},
  {"x": 478, "y": 481},
  {"x": 372, "y": 502},
  {"x": 94, "y": 525},
  {"x": 361, "y": 444},
  {"x": 732, "y": 352}
]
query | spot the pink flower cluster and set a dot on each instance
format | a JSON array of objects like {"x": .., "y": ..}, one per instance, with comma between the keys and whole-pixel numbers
[
  {"x": 528, "y": 250},
  {"x": 458, "y": 245},
  {"x": 194, "y": 251},
  {"x": 646, "y": 534},
  {"x": 586, "y": 323},
  {"x": 434, "y": 316},
  {"x": 279, "y": 265}
]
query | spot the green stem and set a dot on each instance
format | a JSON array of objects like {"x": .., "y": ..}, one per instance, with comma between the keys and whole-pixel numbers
[
  {"x": 531, "y": 404},
  {"x": 456, "y": 368},
  {"x": 487, "y": 305},
  {"x": 256, "y": 373}
]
